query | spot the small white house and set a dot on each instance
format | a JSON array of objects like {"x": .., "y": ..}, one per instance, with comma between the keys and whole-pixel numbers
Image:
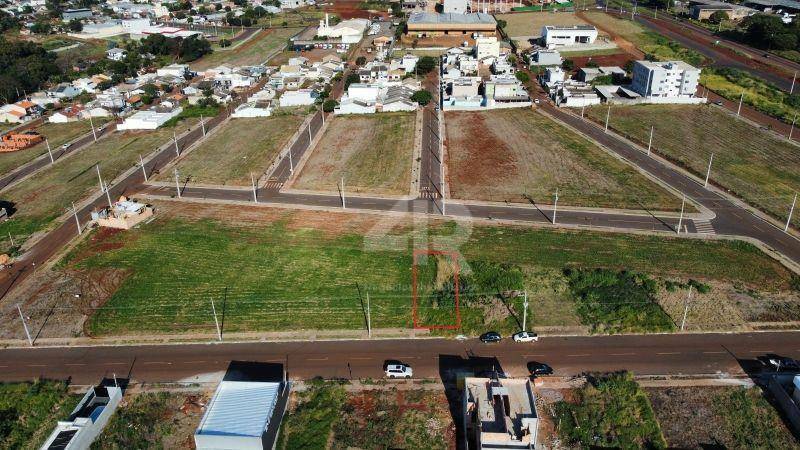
[
  {"x": 116, "y": 54},
  {"x": 86, "y": 421},
  {"x": 252, "y": 109},
  {"x": 300, "y": 97},
  {"x": 148, "y": 120},
  {"x": 564, "y": 36}
]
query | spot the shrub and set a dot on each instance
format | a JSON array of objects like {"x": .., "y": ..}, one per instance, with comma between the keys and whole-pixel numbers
[{"x": 422, "y": 97}]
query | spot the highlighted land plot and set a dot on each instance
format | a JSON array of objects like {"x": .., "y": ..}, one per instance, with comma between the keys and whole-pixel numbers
[{"x": 435, "y": 303}]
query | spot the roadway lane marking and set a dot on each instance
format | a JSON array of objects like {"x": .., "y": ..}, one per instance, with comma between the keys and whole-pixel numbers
[
  {"x": 668, "y": 353},
  {"x": 195, "y": 362},
  {"x": 359, "y": 358},
  {"x": 713, "y": 353},
  {"x": 622, "y": 354},
  {"x": 762, "y": 351},
  {"x": 37, "y": 365},
  {"x": 532, "y": 356},
  {"x": 75, "y": 364},
  {"x": 579, "y": 355},
  {"x": 157, "y": 362},
  {"x": 116, "y": 364},
  {"x": 317, "y": 359}
]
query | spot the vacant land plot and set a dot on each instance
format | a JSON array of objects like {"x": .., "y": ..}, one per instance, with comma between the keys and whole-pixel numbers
[
  {"x": 378, "y": 418},
  {"x": 727, "y": 417},
  {"x": 49, "y": 193},
  {"x": 516, "y": 155},
  {"x": 29, "y": 411},
  {"x": 254, "y": 51},
  {"x": 270, "y": 269},
  {"x": 762, "y": 169},
  {"x": 529, "y": 24},
  {"x": 373, "y": 153},
  {"x": 143, "y": 419},
  {"x": 240, "y": 148},
  {"x": 56, "y": 134}
]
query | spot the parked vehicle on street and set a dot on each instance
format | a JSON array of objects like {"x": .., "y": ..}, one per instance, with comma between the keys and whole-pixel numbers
[
  {"x": 491, "y": 336},
  {"x": 399, "y": 371},
  {"x": 538, "y": 368},
  {"x": 525, "y": 336}
]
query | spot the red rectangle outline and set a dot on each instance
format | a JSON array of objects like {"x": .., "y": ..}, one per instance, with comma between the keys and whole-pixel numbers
[{"x": 415, "y": 318}]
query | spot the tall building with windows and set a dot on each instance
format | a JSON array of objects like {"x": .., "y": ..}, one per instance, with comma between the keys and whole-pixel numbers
[{"x": 665, "y": 80}]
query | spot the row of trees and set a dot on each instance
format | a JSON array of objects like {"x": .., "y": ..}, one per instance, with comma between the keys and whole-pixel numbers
[
  {"x": 769, "y": 32},
  {"x": 24, "y": 67}
]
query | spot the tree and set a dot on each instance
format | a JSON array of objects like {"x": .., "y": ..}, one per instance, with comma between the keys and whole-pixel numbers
[
  {"x": 41, "y": 27},
  {"x": 769, "y": 31},
  {"x": 361, "y": 60},
  {"x": 329, "y": 105},
  {"x": 24, "y": 66},
  {"x": 568, "y": 64},
  {"x": 351, "y": 78},
  {"x": 718, "y": 16},
  {"x": 523, "y": 77},
  {"x": 422, "y": 97},
  {"x": 75, "y": 25},
  {"x": 224, "y": 43},
  {"x": 425, "y": 64},
  {"x": 501, "y": 24}
]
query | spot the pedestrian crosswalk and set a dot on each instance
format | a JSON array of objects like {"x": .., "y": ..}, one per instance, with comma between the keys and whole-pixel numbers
[
  {"x": 704, "y": 226},
  {"x": 273, "y": 185},
  {"x": 427, "y": 192}
]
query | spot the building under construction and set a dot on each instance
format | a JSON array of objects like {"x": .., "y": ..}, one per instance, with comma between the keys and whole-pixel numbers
[{"x": 13, "y": 142}]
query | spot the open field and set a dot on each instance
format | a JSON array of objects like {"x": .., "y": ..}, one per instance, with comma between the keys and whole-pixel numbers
[
  {"x": 29, "y": 411},
  {"x": 759, "y": 94},
  {"x": 372, "y": 152},
  {"x": 240, "y": 148},
  {"x": 271, "y": 269},
  {"x": 256, "y": 50},
  {"x": 56, "y": 133},
  {"x": 727, "y": 417},
  {"x": 142, "y": 419},
  {"x": 762, "y": 169},
  {"x": 648, "y": 42},
  {"x": 373, "y": 418},
  {"x": 529, "y": 24},
  {"x": 47, "y": 194},
  {"x": 508, "y": 155}
]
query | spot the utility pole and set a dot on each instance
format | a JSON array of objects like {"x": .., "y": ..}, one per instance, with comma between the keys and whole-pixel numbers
[
  {"x": 343, "y": 201},
  {"x": 369, "y": 319},
  {"x": 650, "y": 142},
  {"x": 582, "y": 108},
  {"x": 177, "y": 184},
  {"x": 10, "y": 239},
  {"x": 708, "y": 173},
  {"x": 50, "y": 152},
  {"x": 108, "y": 197},
  {"x": 91, "y": 123},
  {"x": 525, "y": 312},
  {"x": 608, "y": 115},
  {"x": 555, "y": 207},
  {"x": 175, "y": 138},
  {"x": 686, "y": 307},
  {"x": 791, "y": 211},
  {"x": 791, "y": 129},
  {"x": 291, "y": 163},
  {"x": 77, "y": 221},
  {"x": 680, "y": 220},
  {"x": 309, "y": 134},
  {"x": 739, "y": 110},
  {"x": 144, "y": 171},
  {"x": 25, "y": 325},
  {"x": 99, "y": 178},
  {"x": 203, "y": 124},
  {"x": 794, "y": 78},
  {"x": 255, "y": 195},
  {"x": 216, "y": 322}
]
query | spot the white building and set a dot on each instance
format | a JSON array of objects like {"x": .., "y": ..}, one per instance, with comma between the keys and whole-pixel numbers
[
  {"x": 242, "y": 415},
  {"x": 558, "y": 36},
  {"x": 487, "y": 47},
  {"x": 86, "y": 421},
  {"x": 252, "y": 109},
  {"x": 500, "y": 413},
  {"x": 148, "y": 120},
  {"x": 546, "y": 58},
  {"x": 666, "y": 82},
  {"x": 173, "y": 70},
  {"x": 300, "y": 97},
  {"x": 348, "y": 31},
  {"x": 456, "y": 6},
  {"x": 116, "y": 54},
  {"x": 409, "y": 62}
]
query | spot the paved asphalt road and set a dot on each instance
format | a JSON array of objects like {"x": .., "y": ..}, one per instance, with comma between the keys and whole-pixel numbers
[
  {"x": 44, "y": 160},
  {"x": 430, "y": 183},
  {"x": 668, "y": 354}
]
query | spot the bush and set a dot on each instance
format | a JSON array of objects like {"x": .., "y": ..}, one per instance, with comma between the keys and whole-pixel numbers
[
  {"x": 568, "y": 64},
  {"x": 329, "y": 105},
  {"x": 425, "y": 65},
  {"x": 422, "y": 97},
  {"x": 523, "y": 77},
  {"x": 224, "y": 43},
  {"x": 361, "y": 60},
  {"x": 351, "y": 78}
]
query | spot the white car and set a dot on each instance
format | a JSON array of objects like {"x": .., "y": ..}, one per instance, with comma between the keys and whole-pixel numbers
[
  {"x": 525, "y": 336},
  {"x": 66, "y": 146},
  {"x": 399, "y": 371}
]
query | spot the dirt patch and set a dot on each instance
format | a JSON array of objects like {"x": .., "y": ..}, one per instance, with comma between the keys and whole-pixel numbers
[
  {"x": 487, "y": 155},
  {"x": 617, "y": 59},
  {"x": 348, "y": 9},
  {"x": 687, "y": 416},
  {"x": 622, "y": 43}
]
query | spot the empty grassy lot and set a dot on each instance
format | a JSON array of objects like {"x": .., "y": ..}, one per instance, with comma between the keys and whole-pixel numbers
[
  {"x": 272, "y": 269},
  {"x": 762, "y": 169},
  {"x": 29, "y": 411},
  {"x": 56, "y": 133},
  {"x": 240, "y": 148},
  {"x": 373, "y": 153},
  {"x": 254, "y": 51},
  {"x": 531, "y": 23},
  {"x": 48, "y": 194},
  {"x": 505, "y": 155}
]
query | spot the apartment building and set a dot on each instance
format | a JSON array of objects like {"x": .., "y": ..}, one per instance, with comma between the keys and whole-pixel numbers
[{"x": 665, "y": 82}]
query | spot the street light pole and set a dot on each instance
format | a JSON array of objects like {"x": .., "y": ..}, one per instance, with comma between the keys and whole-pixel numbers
[
  {"x": 608, "y": 115},
  {"x": 739, "y": 110},
  {"x": 25, "y": 325},
  {"x": 708, "y": 172},
  {"x": 680, "y": 219},
  {"x": 791, "y": 211},
  {"x": 650, "y": 142},
  {"x": 50, "y": 152},
  {"x": 555, "y": 207},
  {"x": 177, "y": 184}
]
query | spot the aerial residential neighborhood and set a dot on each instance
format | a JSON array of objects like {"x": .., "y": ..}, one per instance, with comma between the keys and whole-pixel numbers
[{"x": 413, "y": 224}]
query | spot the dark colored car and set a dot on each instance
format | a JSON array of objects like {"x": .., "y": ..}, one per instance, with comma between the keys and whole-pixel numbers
[
  {"x": 779, "y": 363},
  {"x": 491, "y": 336},
  {"x": 538, "y": 368}
]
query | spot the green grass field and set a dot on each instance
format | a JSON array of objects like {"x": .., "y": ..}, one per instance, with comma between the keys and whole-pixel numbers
[
  {"x": 531, "y": 23},
  {"x": 29, "y": 411},
  {"x": 372, "y": 152},
  {"x": 49, "y": 193},
  {"x": 762, "y": 169},
  {"x": 240, "y": 148},
  {"x": 56, "y": 134},
  {"x": 759, "y": 94},
  {"x": 282, "y": 270},
  {"x": 254, "y": 51}
]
